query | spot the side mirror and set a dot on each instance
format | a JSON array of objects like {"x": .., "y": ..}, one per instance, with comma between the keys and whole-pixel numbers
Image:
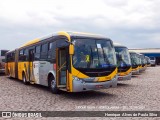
[{"x": 71, "y": 49}]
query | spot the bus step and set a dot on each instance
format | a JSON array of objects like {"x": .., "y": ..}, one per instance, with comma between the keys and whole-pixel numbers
[
  {"x": 31, "y": 82},
  {"x": 63, "y": 89},
  {"x": 61, "y": 86}
]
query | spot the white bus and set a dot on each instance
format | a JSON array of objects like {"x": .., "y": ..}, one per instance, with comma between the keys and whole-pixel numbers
[
  {"x": 152, "y": 61},
  {"x": 2, "y": 60}
]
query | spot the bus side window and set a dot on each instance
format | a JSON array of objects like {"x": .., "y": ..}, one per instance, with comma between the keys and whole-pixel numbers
[
  {"x": 10, "y": 57},
  {"x": 3, "y": 52},
  {"x": 13, "y": 57},
  {"x": 21, "y": 55},
  {"x": 52, "y": 50},
  {"x": 25, "y": 55},
  {"x": 44, "y": 51},
  {"x": 37, "y": 53}
]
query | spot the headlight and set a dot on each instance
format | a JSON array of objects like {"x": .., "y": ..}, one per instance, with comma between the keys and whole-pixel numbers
[
  {"x": 75, "y": 78},
  {"x": 115, "y": 77},
  {"x": 78, "y": 79}
]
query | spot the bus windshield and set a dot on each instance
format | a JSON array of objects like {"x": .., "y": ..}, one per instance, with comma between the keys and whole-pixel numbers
[
  {"x": 93, "y": 53},
  {"x": 142, "y": 59},
  {"x": 123, "y": 58},
  {"x": 134, "y": 59}
]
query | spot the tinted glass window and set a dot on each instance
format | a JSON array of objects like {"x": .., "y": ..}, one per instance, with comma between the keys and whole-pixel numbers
[
  {"x": 50, "y": 46},
  {"x": 52, "y": 50},
  {"x": 93, "y": 53},
  {"x": 37, "y": 53},
  {"x": 123, "y": 56},
  {"x": 3, "y": 52},
  {"x": 21, "y": 52},
  {"x": 25, "y": 54},
  {"x": 38, "y": 48},
  {"x": 62, "y": 42},
  {"x": 10, "y": 57},
  {"x": 44, "y": 48},
  {"x": 21, "y": 55}
]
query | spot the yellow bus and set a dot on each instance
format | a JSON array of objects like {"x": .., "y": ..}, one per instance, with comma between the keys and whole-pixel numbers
[
  {"x": 148, "y": 62},
  {"x": 68, "y": 61},
  {"x": 143, "y": 63},
  {"x": 135, "y": 60},
  {"x": 123, "y": 62}
]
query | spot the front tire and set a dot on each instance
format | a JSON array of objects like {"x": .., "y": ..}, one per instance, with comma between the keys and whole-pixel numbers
[{"x": 52, "y": 85}]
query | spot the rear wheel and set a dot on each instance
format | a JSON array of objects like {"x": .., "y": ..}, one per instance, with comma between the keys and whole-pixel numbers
[{"x": 52, "y": 85}]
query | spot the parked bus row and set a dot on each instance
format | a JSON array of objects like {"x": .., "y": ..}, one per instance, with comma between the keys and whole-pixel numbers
[{"x": 73, "y": 62}]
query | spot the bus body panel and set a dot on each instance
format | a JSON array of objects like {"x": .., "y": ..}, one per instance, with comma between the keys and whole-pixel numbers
[
  {"x": 135, "y": 71},
  {"x": 79, "y": 82},
  {"x": 39, "y": 72},
  {"x": 23, "y": 68},
  {"x": 11, "y": 69},
  {"x": 125, "y": 75},
  {"x": 36, "y": 66},
  {"x": 80, "y": 85},
  {"x": 44, "y": 69}
]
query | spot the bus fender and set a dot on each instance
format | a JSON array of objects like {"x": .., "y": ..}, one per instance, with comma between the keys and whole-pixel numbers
[{"x": 51, "y": 73}]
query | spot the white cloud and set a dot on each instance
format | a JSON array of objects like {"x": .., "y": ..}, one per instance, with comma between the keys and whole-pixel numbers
[
  {"x": 111, "y": 17},
  {"x": 46, "y": 12}
]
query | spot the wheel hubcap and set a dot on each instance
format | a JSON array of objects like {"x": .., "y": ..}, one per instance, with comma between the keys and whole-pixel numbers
[
  {"x": 24, "y": 80},
  {"x": 53, "y": 84}
]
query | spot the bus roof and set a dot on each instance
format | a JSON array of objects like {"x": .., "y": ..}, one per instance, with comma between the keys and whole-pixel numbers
[
  {"x": 67, "y": 34},
  {"x": 131, "y": 51},
  {"x": 118, "y": 45}
]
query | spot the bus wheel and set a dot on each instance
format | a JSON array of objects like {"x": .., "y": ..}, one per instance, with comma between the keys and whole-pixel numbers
[
  {"x": 52, "y": 85},
  {"x": 25, "y": 80}
]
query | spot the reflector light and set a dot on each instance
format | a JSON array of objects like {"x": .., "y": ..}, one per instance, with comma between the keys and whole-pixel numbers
[{"x": 54, "y": 66}]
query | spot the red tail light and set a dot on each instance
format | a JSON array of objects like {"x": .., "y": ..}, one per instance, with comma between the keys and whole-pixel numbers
[{"x": 54, "y": 66}]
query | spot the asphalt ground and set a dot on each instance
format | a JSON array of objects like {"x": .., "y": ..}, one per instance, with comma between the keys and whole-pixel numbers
[{"x": 141, "y": 93}]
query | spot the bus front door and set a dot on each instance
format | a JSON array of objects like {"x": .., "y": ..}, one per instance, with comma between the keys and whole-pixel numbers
[
  {"x": 61, "y": 67},
  {"x": 31, "y": 58}
]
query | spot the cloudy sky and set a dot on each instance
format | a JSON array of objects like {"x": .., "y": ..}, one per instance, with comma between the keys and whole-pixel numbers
[{"x": 134, "y": 23}]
